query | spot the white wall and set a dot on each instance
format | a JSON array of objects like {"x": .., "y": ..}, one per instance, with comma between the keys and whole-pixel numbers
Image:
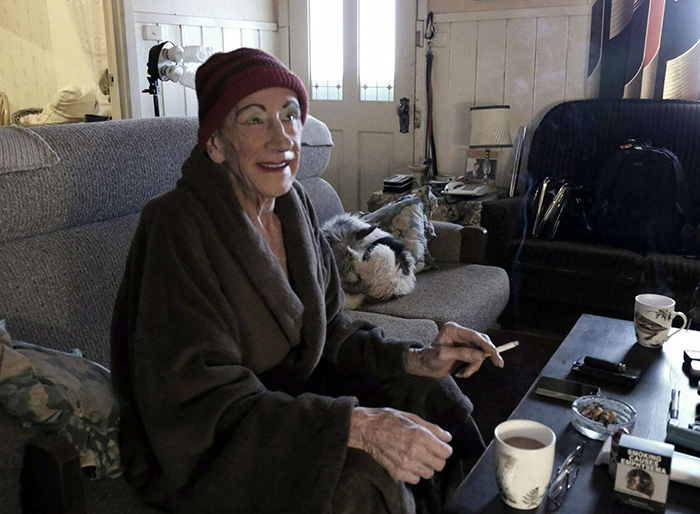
[
  {"x": 452, "y": 6},
  {"x": 224, "y": 26},
  {"x": 530, "y": 59}
]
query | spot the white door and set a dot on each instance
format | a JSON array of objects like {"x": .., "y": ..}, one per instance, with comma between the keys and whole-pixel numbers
[{"x": 368, "y": 144}]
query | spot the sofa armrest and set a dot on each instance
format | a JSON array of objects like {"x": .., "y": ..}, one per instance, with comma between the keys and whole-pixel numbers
[
  {"x": 505, "y": 220},
  {"x": 456, "y": 243},
  {"x": 445, "y": 246},
  {"x": 52, "y": 479}
]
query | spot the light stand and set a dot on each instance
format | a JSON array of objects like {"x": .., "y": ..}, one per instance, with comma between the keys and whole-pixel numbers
[{"x": 166, "y": 63}]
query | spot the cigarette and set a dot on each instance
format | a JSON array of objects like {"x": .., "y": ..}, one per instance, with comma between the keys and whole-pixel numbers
[{"x": 507, "y": 346}]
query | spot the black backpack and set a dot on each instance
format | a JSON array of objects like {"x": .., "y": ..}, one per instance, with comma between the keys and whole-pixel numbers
[{"x": 641, "y": 200}]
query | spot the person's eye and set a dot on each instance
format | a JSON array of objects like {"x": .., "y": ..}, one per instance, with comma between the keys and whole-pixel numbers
[{"x": 255, "y": 120}]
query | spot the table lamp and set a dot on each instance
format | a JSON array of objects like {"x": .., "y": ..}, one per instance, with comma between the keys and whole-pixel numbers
[{"x": 490, "y": 129}]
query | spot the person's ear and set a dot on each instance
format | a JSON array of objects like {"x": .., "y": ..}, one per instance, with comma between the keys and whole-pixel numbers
[{"x": 215, "y": 148}]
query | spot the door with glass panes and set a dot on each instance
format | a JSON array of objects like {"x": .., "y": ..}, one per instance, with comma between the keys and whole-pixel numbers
[{"x": 357, "y": 59}]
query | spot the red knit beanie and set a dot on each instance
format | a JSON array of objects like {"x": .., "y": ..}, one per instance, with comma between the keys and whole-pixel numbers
[{"x": 227, "y": 78}]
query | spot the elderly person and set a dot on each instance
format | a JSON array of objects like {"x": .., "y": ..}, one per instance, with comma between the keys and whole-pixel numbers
[{"x": 245, "y": 388}]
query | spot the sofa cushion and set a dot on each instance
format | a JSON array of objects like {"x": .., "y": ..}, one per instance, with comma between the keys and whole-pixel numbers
[
  {"x": 97, "y": 179},
  {"x": 58, "y": 289},
  {"x": 576, "y": 260},
  {"x": 21, "y": 149},
  {"x": 325, "y": 200},
  {"x": 65, "y": 394},
  {"x": 316, "y": 144},
  {"x": 470, "y": 295},
  {"x": 422, "y": 330}
]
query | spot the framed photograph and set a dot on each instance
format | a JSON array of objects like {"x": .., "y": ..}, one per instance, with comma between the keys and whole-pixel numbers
[
  {"x": 475, "y": 168},
  {"x": 519, "y": 148}
]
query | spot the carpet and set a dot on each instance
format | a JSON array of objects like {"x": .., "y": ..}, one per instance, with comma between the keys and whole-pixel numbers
[{"x": 496, "y": 392}]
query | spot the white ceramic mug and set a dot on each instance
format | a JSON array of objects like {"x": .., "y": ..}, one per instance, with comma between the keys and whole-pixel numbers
[
  {"x": 653, "y": 315},
  {"x": 523, "y": 474}
]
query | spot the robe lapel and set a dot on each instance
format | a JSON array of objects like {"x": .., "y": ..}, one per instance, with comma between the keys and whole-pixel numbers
[
  {"x": 304, "y": 263},
  {"x": 211, "y": 185}
]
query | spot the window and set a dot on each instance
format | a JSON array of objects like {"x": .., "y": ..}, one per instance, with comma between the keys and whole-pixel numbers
[
  {"x": 326, "y": 49},
  {"x": 377, "y": 43}
]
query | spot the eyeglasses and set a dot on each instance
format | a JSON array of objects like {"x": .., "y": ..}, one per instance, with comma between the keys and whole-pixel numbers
[{"x": 565, "y": 477}]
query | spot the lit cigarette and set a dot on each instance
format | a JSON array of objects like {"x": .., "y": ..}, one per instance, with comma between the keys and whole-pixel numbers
[{"x": 507, "y": 346}]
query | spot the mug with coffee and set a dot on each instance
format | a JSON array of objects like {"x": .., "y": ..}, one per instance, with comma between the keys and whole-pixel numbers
[
  {"x": 524, "y": 460},
  {"x": 653, "y": 315}
]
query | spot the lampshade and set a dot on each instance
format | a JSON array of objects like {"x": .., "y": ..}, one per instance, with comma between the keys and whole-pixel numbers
[{"x": 490, "y": 127}]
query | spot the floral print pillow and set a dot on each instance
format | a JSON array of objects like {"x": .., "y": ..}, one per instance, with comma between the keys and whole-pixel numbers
[
  {"x": 62, "y": 393},
  {"x": 406, "y": 220}
]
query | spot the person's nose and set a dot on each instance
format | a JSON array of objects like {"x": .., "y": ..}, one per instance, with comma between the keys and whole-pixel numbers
[{"x": 280, "y": 137}]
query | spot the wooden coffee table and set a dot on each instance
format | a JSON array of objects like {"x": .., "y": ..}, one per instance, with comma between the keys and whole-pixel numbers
[{"x": 613, "y": 340}]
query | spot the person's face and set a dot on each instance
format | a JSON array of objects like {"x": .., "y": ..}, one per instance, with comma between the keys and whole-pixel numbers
[
  {"x": 633, "y": 483},
  {"x": 260, "y": 141}
]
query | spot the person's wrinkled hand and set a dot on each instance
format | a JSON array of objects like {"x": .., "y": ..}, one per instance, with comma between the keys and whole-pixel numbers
[
  {"x": 407, "y": 446},
  {"x": 453, "y": 347}
]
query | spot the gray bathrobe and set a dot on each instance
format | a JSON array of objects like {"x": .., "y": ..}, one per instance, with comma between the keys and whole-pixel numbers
[{"x": 227, "y": 369}]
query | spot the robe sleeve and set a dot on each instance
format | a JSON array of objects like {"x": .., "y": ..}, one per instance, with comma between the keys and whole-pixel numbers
[
  {"x": 357, "y": 345},
  {"x": 217, "y": 433}
]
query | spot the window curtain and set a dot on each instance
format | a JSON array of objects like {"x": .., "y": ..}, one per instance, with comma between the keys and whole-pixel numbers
[
  {"x": 645, "y": 49},
  {"x": 89, "y": 22}
]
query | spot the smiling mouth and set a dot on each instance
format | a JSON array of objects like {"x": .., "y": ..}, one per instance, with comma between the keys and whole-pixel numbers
[{"x": 273, "y": 166}]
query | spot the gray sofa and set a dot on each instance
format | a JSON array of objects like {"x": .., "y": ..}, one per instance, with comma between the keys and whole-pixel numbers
[{"x": 70, "y": 201}]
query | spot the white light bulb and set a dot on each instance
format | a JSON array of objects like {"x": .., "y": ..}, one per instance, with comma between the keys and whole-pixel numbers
[{"x": 197, "y": 53}]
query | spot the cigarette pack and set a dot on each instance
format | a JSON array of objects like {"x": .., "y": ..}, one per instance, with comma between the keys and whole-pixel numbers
[{"x": 643, "y": 473}]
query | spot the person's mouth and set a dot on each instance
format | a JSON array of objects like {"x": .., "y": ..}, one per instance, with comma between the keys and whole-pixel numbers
[{"x": 273, "y": 166}]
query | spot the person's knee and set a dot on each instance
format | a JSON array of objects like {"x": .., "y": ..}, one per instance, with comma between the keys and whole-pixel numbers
[{"x": 356, "y": 494}]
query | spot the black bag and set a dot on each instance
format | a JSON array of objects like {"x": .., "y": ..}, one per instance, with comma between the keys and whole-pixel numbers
[
  {"x": 562, "y": 211},
  {"x": 641, "y": 199}
]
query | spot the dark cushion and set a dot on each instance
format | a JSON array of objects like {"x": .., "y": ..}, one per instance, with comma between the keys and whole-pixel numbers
[
  {"x": 672, "y": 275},
  {"x": 577, "y": 260}
]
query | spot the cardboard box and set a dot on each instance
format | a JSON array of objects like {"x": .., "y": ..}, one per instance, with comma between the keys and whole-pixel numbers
[{"x": 643, "y": 473}]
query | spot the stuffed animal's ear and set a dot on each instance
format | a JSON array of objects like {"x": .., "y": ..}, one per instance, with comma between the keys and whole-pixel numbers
[{"x": 366, "y": 231}]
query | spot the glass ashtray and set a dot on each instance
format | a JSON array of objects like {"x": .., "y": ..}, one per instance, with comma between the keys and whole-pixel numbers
[{"x": 625, "y": 416}]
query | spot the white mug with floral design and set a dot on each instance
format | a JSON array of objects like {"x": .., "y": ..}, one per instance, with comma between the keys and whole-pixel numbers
[
  {"x": 524, "y": 454},
  {"x": 653, "y": 315}
]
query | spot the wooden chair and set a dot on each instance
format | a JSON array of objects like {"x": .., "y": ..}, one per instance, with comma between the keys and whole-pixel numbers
[{"x": 4, "y": 109}]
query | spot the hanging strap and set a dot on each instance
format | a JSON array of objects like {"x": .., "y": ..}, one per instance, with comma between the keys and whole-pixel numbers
[{"x": 430, "y": 150}]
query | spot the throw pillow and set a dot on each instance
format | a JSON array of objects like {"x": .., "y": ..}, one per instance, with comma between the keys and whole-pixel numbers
[
  {"x": 406, "y": 220},
  {"x": 62, "y": 393}
]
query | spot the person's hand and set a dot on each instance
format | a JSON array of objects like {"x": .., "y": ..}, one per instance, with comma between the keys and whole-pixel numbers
[
  {"x": 454, "y": 346},
  {"x": 408, "y": 447}
]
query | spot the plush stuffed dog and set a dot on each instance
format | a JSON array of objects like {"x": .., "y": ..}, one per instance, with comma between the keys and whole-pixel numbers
[{"x": 372, "y": 263}]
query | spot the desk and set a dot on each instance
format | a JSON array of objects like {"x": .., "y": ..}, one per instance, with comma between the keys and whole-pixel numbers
[
  {"x": 614, "y": 340},
  {"x": 455, "y": 209}
]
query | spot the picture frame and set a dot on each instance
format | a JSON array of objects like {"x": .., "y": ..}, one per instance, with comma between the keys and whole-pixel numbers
[
  {"x": 517, "y": 160},
  {"x": 474, "y": 167}
]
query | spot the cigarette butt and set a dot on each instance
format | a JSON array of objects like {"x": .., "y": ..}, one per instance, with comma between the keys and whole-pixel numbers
[{"x": 507, "y": 346}]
